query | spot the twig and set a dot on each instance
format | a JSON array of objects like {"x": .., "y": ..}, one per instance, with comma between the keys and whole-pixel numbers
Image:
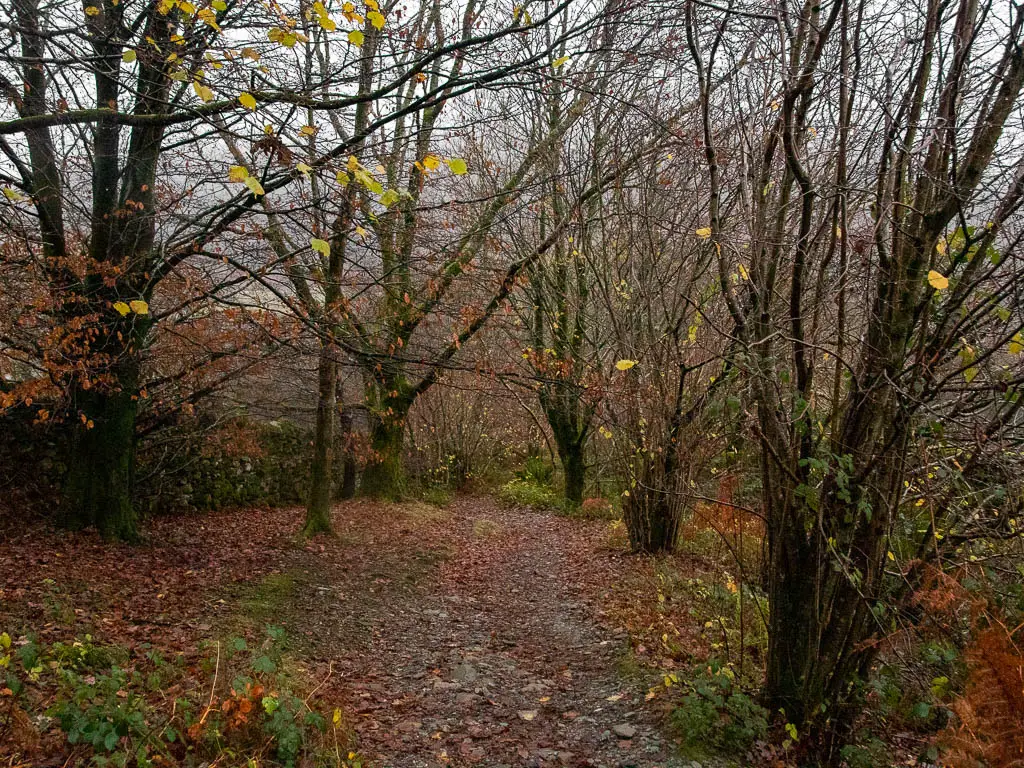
[{"x": 213, "y": 688}]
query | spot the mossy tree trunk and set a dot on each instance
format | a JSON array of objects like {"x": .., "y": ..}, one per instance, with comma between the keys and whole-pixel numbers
[
  {"x": 574, "y": 469},
  {"x": 98, "y": 486},
  {"x": 100, "y": 477},
  {"x": 318, "y": 509},
  {"x": 389, "y": 397},
  {"x": 384, "y": 476}
]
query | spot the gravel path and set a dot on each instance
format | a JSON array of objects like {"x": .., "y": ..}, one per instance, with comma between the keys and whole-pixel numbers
[{"x": 478, "y": 647}]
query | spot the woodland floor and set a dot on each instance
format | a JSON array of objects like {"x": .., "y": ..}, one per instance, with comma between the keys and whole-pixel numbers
[{"x": 473, "y": 634}]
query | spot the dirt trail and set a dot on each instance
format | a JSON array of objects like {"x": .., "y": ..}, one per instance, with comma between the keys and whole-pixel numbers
[{"x": 470, "y": 639}]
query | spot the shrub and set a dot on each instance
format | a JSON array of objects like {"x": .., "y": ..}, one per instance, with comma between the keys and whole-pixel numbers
[
  {"x": 242, "y": 705},
  {"x": 597, "y": 509},
  {"x": 529, "y": 493},
  {"x": 716, "y": 716},
  {"x": 653, "y": 510},
  {"x": 537, "y": 470},
  {"x": 437, "y": 495}
]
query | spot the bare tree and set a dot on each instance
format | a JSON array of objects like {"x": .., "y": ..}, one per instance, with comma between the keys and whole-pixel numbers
[{"x": 874, "y": 142}]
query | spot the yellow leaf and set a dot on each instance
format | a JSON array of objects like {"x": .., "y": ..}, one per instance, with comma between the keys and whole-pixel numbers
[
  {"x": 139, "y": 307},
  {"x": 202, "y": 91},
  {"x": 342, "y": 178},
  {"x": 560, "y": 61},
  {"x": 457, "y": 166},
  {"x": 625, "y": 365},
  {"x": 337, "y": 717},
  {"x": 938, "y": 281},
  {"x": 303, "y": 168},
  {"x": 704, "y": 233},
  {"x": 13, "y": 194},
  {"x": 128, "y": 57},
  {"x": 375, "y": 18},
  {"x": 327, "y": 24},
  {"x": 238, "y": 173},
  {"x": 369, "y": 182},
  {"x": 1016, "y": 344},
  {"x": 320, "y": 246},
  {"x": 254, "y": 185},
  {"x": 209, "y": 17},
  {"x": 361, "y": 232},
  {"x": 307, "y": 130},
  {"x": 92, "y": 10},
  {"x": 219, "y": 5},
  {"x": 431, "y": 162},
  {"x": 247, "y": 100},
  {"x": 743, "y": 272},
  {"x": 372, "y": 4},
  {"x": 278, "y": 35},
  {"x": 356, "y": 37},
  {"x": 520, "y": 13},
  {"x": 122, "y": 308}
]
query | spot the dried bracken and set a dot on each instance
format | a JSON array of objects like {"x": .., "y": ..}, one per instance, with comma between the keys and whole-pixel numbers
[{"x": 990, "y": 732}]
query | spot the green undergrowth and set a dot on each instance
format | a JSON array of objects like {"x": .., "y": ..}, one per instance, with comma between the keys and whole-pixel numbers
[
  {"x": 526, "y": 492},
  {"x": 529, "y": 493},
  {"x": 537, "y": 487},
  {"x": 437, "y": 495},
  {"x": 716, "y": 715},
  {"x": 234, "y": 702}
]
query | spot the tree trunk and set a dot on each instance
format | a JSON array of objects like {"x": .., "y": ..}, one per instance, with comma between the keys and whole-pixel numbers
[
  {"x": 101, "y": 465},
  {"x": 821, "y": 626},
  {"x": 571, "y": 455},
  {"x": 318, "y": 510},
  {"x": 652, "y": 520},
  {"x": 384, "y": 476},
  {"x": 818, "y": 653},
  {"x": 348, "y": 473}
]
